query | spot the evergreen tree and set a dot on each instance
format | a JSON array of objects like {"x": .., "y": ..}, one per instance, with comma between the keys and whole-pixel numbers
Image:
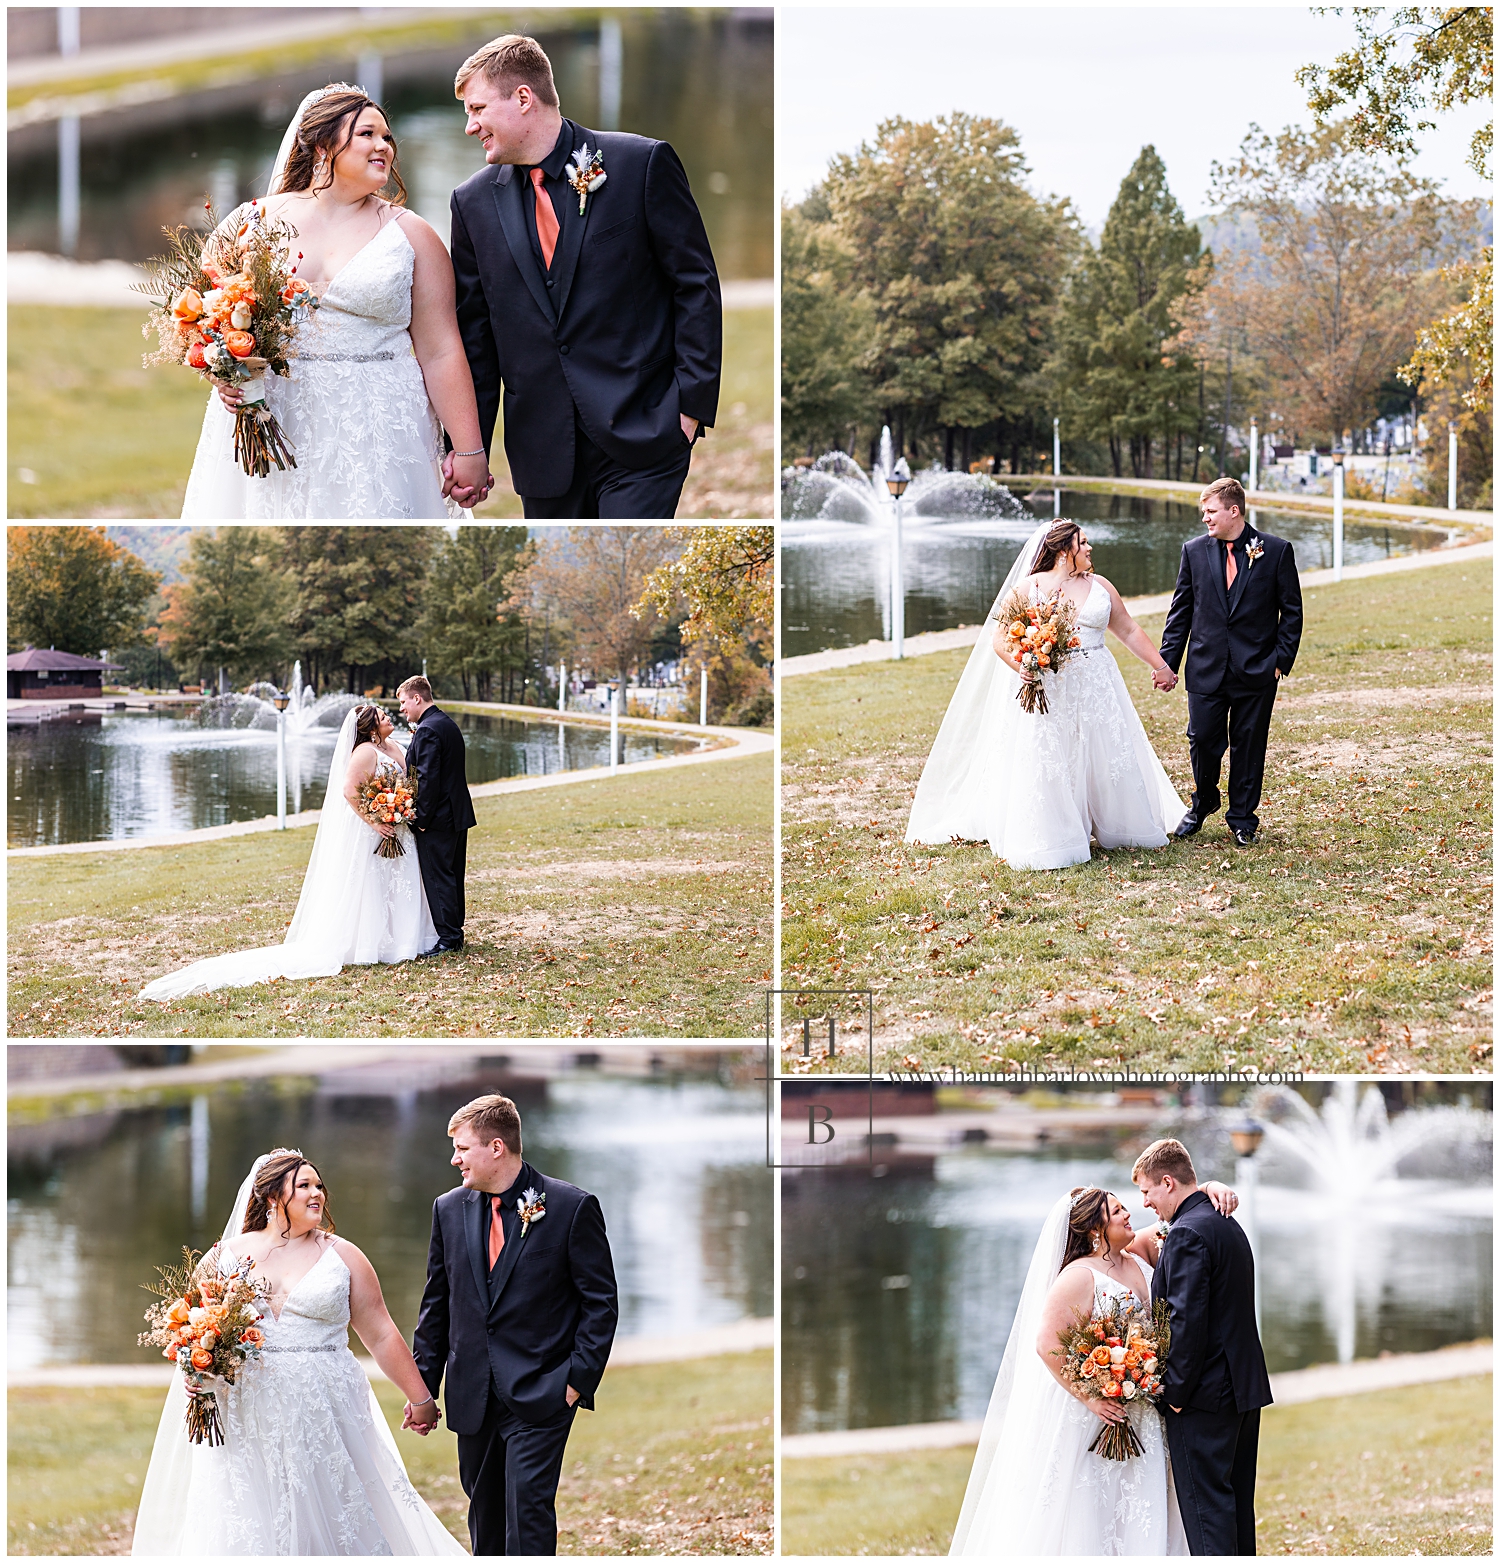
[
  {"x": 463, "y": 632},
  {"x": 232, "y": 606}
]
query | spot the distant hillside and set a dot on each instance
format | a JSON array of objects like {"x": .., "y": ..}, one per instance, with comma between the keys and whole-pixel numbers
[
  {"x": 162, "y": 548},
  {"x": 1235, "y": 234}
]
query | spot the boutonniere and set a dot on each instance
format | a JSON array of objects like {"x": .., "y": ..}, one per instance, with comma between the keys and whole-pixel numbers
[
  {"x": 1253, "y": 550},
  {"x": 586, "y": 173},
  {"x": 531, "y": 1206}
]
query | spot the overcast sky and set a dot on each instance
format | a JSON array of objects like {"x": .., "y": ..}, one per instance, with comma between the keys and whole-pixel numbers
[{"x": 1085, "y": 87}]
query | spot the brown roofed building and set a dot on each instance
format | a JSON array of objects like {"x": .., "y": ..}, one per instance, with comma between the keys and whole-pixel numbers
[{"x": 55, "y": 675}]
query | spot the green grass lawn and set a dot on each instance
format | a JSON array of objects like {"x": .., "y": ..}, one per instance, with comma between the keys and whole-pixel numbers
[
  {"x": 676, "y": 1459},
  {"x": 634, "y": 907},
  {"x": 1406, "y": 1472},
  {"x": 101, "y": 436},
  {"x": 1355, "y": 935}
]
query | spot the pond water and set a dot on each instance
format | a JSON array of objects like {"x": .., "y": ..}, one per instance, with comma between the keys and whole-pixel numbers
[
  {"x": 100, "y": 778},
  {"x": 898, "y": 1292},
  {"x": 700, "y": 79},
  {"x": 835, "y": 575},
  {"x": 679, "y": 1168}
]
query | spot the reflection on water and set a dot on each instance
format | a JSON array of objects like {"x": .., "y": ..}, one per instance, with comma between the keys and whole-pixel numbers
[
  {"x": 678, "y": 1168},
  {"x": 102, "y": 778},
  {"x": 835, "y": 575},
  {"x": 700, "y": 79},
  {"x": 898, "y": 1292}
]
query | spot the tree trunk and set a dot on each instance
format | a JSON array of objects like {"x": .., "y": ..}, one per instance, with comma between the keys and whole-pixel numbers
[
  {"x": 1228, "y": 406},
  {"x": 968, "y": 441},
  {"x": 1114, "y": 452},
  {"x": 948, "y": 448}
]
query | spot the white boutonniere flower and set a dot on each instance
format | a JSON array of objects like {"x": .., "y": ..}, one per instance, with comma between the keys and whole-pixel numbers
[
  {"x": 586, "y": 173},
  {"x": 531, "y": 1206},
  {"x": 1253, "y": 550}
]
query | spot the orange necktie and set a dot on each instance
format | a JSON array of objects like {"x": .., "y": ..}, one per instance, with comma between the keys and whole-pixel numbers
[
  {"x": 546, "y": 219},
  {"x": 1229, "y": 570},
  {"x": 497, "y": 1232}
]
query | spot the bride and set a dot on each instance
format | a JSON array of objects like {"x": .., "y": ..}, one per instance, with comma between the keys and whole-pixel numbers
[
  {"x": 356, "y": 908},
  {"x": 308, "y": 1465},
  {"x": 1034, "y": 1488},
  {"x": 378, "y": 370},
  {"x": 1034, "y": 786}
]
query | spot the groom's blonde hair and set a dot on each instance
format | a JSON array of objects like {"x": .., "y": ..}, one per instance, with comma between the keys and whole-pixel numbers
[
  {"x": 508, "y": 62},
  {"x": 1169, "y": 1157},
  {"x": 491, "y": 1118},
  {"x": 417, "y": 685},
  {"x": 1229, "y": 491}
]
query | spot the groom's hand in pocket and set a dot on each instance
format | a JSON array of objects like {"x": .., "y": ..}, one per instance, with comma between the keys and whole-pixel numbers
[
  {"x": 689, "y": 426},
  {"x": 573, "y": 1396}
]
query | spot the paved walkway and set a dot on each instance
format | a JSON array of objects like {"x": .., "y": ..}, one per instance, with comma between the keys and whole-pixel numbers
[
  {"x": 1288, "y": 1389},
  {"x": 1140, "y": 607},
  {"x": 734, "y": 743},
  {"x": 632, "y": 1351}
]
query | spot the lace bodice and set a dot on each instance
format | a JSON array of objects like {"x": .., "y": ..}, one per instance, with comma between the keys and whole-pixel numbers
[
  {"x": 1107, "y": 1289},
  {"x": 315, "y": 1315},
  {"x": 1093, "y": 616},
  {"x": 365, "y": 315}
]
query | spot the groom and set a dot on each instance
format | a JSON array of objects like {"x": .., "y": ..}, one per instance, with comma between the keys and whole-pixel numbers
[
  {"x": 1239, "y": 600},
  {"x": 519, "y": 1313},
  {"x": 1215, "y": 1380},
  {"x": 590, "y": 298},
  {"x": 445, "y": 812}
]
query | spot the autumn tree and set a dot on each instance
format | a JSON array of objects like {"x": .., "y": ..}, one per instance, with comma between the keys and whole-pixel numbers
[
  {"x": 71, "y": 588},
  {"x": 232, "y": 607},
  {"x": 960, "y": 264},
  {"x": 1347, "y": 243}
]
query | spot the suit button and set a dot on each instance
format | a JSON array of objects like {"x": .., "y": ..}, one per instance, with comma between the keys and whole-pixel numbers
[
  {"x": 551, "y": 282},
  {"x": 562, "y": 347}
]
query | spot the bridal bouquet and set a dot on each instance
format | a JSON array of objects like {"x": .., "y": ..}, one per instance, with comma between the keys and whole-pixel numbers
[
  {"x": 386, "y": 802},
  {"x": 1040, "y": 636},
  {"x": 229, "y": 306},
  {"x": 1117, "y": 1356},
  {"x": 209, "y": 1325}
]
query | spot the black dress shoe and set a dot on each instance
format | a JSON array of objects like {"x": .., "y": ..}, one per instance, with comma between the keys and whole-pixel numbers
[
  {"x": 437, "y": 949},
  {"x": 1189, "y": 826},
  {"x": 1243, "y": 838}
]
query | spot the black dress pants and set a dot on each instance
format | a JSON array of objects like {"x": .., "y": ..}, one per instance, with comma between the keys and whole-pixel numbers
[
  {"x": 440, "y": 856},
  {"x": 1213, "y": 1469},
  {"x": 509, "y": 1472},
  {"x": 1236, "y": 718},
  {"x": 604, "y": 490}
]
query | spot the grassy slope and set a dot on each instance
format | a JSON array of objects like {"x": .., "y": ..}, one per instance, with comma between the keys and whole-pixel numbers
[
  {"x": 105, "y": 437},
  {"x": 1354, "y": 936},
  {"x": 635, "y": 907},
  {"x": 1402, "y": 1473},
  {"x": 677, "y": 1458}
]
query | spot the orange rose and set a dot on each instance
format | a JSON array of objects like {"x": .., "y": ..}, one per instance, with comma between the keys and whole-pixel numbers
[
  {"x": 1111, "y": 1390},
  {"x": 252, "y": 1337},
  {"x": 240, "y": 343},
  {"x": 189, "y": 304},
  {"x": 1100, "y": 1354},
  {"x": 202, "y": 1359},
  {"x": 195, "y": 358},
  {"x": 1072, "y": 640},
  {"x": 1043, "y": 659},
  {"x": 1118, "y": 1370},
  {"x": 178, "y": 1312}
]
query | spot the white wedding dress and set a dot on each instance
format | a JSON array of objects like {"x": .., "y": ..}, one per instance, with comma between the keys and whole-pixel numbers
[
  {"x": 355, "y": 909},
  {"x": 1037, "y": 787},
  {"x": 1035, "y": 1490},
  {"x": 367, "y": 443},
  {"x": 308, "y": 1466}
]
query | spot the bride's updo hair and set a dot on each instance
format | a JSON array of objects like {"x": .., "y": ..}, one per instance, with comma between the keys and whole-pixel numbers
[
  {"x": 1087, "y": 1220},
  {"x": 276, "y": 1178},
  {"x": 366, "y": 725},
  {"x": 1062, "y": 538},
  {"x": 328, "y": 128}
]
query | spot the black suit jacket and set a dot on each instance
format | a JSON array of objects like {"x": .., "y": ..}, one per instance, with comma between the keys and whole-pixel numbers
[
  {"x": 626, "y": 327},
  {"x": 553, "y": 1318},
  {"x": 1206, "y": 1276},
  {"x": 1244, "y": 632},
  {"x": 436, "y": 754}
]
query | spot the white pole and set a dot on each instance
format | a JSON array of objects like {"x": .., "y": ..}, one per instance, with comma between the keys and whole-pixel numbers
[
  {"x": 1056, "y": 502},
  {"x": 1453, "y": 466},
  {"x": 562, "y": 686},
  {"x": 703, "y": 698},
  {"x": 1338, "y": 521},
  {"x": 1056, "y": 450},
  {"x": 1254, "y": 455},
  {"x": 281, "y": 770},
  {"x": 614, "y": 731},
  {"x": 898, "y": 591}
]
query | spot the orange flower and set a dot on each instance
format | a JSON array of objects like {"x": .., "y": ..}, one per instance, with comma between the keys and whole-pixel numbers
[
  {"x": 189, "y": 305},
  {"x": 240, "y": 343},
  {"x": 195, "y": 358},
  {"x": 1044, "y": 660},
  {"x": 178, "y": 1312},
  {"x": 1100, "y": 1354},
  {"x": 202, "y": 1359},
  {"x": 1072, "y": 640},
  {"x": 252, "y": 1336},
  {"x": 1111, "y": 1390}
]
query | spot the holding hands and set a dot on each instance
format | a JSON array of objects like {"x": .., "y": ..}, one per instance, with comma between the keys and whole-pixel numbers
[
  {"x": 1163, "y": 677},
  {"x": 423, "y": 1424},
  {"x": 467, "y": 479}
]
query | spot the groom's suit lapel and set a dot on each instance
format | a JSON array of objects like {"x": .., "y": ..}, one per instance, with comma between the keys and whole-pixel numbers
[
  {"x": 475, "y": 1237},
  {"x": 565, "y": 262},
  {"x": 1242, "y": 574},
  {"x": 1216, "y": 571},
  {"x": 511, "y": 1253},
  {"x": 509, "y": 192}
]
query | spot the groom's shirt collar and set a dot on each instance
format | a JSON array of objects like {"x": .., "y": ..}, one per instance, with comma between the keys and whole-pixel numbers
[
  {"x": 557, "y": 188},
  {"x": 514, "y": 1192}
]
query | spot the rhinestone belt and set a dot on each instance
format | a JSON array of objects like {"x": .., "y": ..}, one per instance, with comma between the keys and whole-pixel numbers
[
  {"x": 301, "y": 1349},
  {"x": 342, "y": 358}
]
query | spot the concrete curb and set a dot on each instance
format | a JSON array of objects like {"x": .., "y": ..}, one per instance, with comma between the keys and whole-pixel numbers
[
  {"x": 1327, "y": 1382},
  {"x": 742, "y": 742},
  {"x": 633, "y": 1351},
  {"x": 1140, "y": 607}
]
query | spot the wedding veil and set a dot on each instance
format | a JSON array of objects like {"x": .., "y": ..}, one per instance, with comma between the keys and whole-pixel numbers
[
  {"x": 289, "y": 140},
  {"x": 1024, "y": 1397},
  {"x": 950, "y": 798},
  {"x": 163, "y": 1508}
]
